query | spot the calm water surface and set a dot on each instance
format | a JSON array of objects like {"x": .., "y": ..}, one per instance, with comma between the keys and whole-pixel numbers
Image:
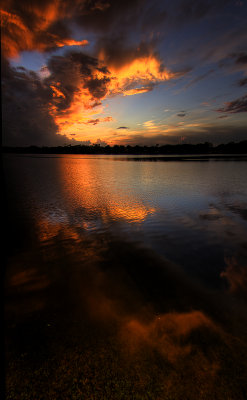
[{"x": 151, "y": 256}]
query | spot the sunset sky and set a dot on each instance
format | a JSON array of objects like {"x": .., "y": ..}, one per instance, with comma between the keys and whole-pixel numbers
[{"x": 123, "y": 71}]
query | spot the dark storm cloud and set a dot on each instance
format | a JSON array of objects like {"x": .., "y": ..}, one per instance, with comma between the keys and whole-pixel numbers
[
  {"x": 31, "y": 104},
  {"x": 117, "y": 52},
  {"x": 76, "y": 70},
  {"x": 122, "y": 31},
  {"x": 36, "y": 25},
  {"x": 24, "y": 109},
  {"x": 97, "y": 87},
  {"x": 45, "y": 25},
  {"x": 156, "y": 21},
  {"x": 235, "y": 106}
]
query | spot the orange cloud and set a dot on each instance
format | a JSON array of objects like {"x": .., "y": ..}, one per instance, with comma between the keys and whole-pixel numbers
[
  {"x": 102, "y": 83},
  {"x": 81, "y": 110},
  {"x": 57, "y": 92},
  {"x": 140, "y": 90},
  {"x": 79, "y": 83},
  {"x": 71, "y": 42},
  {"x": 18, "y": 35},
  {"x": 145, "y": 71}
]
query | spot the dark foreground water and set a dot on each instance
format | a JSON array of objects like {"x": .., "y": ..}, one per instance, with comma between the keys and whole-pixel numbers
[{"x": 125, "y": 278}]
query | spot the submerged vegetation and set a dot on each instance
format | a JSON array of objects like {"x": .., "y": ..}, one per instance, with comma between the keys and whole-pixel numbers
[{"x": 200, "y": 148}]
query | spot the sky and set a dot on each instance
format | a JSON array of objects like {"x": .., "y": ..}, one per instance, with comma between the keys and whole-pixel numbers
[{"x": 127, "y": 72}]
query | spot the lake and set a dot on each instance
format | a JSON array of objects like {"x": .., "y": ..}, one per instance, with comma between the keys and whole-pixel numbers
[{"x": 126, "y": 277}]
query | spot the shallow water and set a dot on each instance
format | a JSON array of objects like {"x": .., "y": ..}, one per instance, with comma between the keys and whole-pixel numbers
[{"x": 150, "y": 254}]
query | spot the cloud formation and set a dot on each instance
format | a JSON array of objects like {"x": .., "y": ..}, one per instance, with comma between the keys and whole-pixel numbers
[
  {"x": 35, "y": 27},
  {"x": 45, "y": 25},
  {"x": 204, "y": 133},
  {"x": 24, "y": 109},
  {"x": 95, "y": 50},
  {"x": 98, "y": 120},
  {"x": 73, "y": 85},
  {"x": 235, "y": 106}
]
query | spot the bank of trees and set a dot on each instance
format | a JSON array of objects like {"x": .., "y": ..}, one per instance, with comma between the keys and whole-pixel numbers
[{"x": 200, "y": 148}]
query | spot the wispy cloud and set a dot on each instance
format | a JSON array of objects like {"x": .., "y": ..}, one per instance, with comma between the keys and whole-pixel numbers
[
  {"x": 98, "y": 120},
  {"x": 235, "y": 106}
]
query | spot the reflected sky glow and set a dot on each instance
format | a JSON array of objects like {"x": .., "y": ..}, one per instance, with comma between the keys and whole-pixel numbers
[
  {"x": 100, "y": 192},
  {"x": 131, "y": 278}
]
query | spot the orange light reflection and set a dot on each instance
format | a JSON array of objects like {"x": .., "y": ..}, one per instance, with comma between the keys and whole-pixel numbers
[{"x": 89, "y": 188}]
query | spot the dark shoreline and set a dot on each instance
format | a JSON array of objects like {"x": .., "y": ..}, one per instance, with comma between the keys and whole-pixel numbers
[
  {"x": 199, "y": 149},
  {"x": 146, "y": 157}
]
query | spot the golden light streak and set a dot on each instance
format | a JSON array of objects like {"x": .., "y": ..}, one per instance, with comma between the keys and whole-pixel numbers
[
  {"x": 82, "y": 187},
  {"x": 150, "y": 125},
  {"x": 130, "y": 213},
  {"x": 141, "y": 90},
  {"x": 13, "y": 31},
  {"x": 8, "y": 18},
  {"x": 69, "y": 42},
  {"x": 57, "y": 92}
]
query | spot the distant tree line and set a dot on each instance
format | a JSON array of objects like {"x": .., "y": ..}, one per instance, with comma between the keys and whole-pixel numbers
[{"x": 200, "y": 148}]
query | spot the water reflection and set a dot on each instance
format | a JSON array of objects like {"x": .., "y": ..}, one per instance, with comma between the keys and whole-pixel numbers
[
  {"x": 169, "y": 334},
  {"x": 121, "y": 308},
  {"x": 236, "y": 275},
  {"x": 99, "y": 190},
  {"x": 133, "y": 282}
]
